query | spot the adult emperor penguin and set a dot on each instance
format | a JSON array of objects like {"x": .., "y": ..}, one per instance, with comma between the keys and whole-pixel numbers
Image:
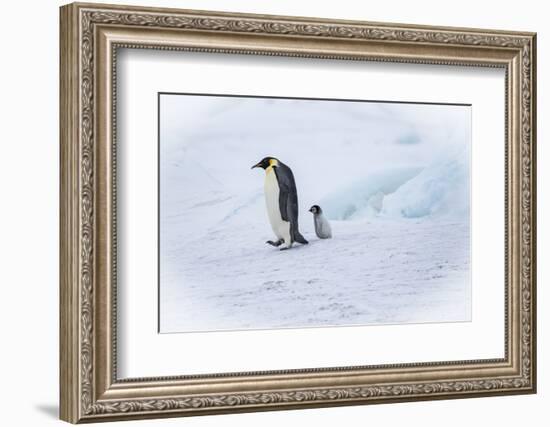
[{"x": 281, "y": 201}]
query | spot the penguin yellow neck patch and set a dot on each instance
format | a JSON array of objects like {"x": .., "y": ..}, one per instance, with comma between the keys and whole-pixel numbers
[{"x": 272, "y": 162}]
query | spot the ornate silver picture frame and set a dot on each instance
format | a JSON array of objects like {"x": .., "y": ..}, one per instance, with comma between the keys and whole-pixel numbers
[{"x": 92, "y": 36}]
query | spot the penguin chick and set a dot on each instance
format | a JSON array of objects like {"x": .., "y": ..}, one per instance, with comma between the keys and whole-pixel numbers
[{"x": 322, "y": 226}]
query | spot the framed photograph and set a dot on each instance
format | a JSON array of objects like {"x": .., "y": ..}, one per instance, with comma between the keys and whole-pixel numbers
[{"x": 266, "y": 212}]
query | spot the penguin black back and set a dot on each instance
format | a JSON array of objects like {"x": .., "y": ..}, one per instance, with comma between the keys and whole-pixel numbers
[{"x": 288, "y": 200}]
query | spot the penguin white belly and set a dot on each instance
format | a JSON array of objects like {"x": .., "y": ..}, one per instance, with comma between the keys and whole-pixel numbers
[
  {"x": 280, "y": 227},
  {"x": 322, "y": 227}
]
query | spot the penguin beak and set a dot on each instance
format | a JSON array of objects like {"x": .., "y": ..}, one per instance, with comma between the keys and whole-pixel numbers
[{"x": 257, "y": 165}]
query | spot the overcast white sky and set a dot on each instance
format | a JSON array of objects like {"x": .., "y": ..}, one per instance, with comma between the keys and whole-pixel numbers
[
  {"x": 185, "y": 116},
  {"x": 327, "y": 143}
]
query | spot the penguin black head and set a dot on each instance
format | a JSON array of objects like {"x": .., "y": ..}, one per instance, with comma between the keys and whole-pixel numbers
[
  {"x": 266, "y": 162},
  {"x": 315, "y": 209}
]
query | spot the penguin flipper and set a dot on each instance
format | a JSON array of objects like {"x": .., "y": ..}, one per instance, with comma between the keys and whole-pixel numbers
[
  {"x": 285, "y": 204},
  {"x": 288, "y": 201}
]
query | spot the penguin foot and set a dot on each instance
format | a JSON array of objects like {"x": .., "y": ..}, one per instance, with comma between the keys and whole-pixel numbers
[{"x": 276, "y": 244}]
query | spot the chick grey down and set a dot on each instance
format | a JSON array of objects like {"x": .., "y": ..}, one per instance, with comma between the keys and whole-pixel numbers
[{"x": 322, "y": 226}]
